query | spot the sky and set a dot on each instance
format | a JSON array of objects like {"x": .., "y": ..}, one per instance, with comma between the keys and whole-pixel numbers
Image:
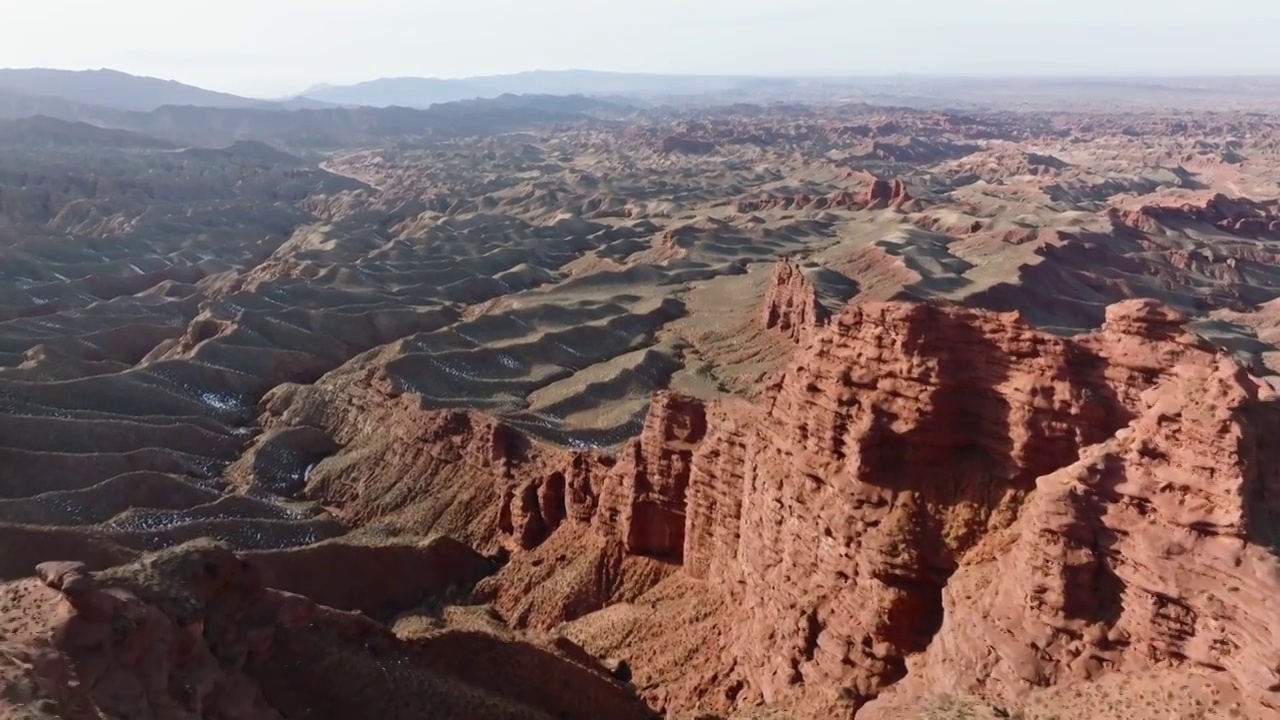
[{"x": 272, "y": 48}]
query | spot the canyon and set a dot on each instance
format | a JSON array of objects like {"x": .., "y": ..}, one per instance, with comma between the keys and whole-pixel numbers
[{"x": 546, "y": 407}]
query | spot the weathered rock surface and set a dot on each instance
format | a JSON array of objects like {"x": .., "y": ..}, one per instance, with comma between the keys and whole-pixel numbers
[
  {"x": 903, "y": 469},
  {"x": 1239, "y": 215},
  {"x": 1155, "y": 549},
  {"x": 935, "y": 491},
  {"x": 451, "y": 471},
  {"x": 193, "y": 633},
  {"x": 791, "y": 302},
  {"x": 884, "y": 193},
  {"x": 643, "y": 499}
]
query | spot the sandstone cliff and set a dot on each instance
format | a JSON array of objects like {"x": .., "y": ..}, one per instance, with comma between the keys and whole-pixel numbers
[
  {"x": 933, "y": 491},
  {"x": 884, "y": 193},
  {"x": 926, "y": 495},
  {"x": 791, "y": 303}
]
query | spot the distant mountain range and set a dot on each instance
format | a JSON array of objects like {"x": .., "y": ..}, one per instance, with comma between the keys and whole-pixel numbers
[
  {"x": 37, "y": 121},
  {"x": 116, "y": 90},
  {"x": 423, "y": 92},
  {"x": 122, "y": 91},
  {"x": 183, "y": 114},
  {"x": 332, "y": 116}
]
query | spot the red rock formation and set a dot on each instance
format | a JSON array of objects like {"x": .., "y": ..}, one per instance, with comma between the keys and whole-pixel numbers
[
  {"x": 1236, "y": 215},
  {"x": 901, "y": 433},
  {"x": 905, "y": 437},
  {"x": 449, "y": 471},
  {"x": 643, "y": 498},
  {"x": 193, "y": 633},
  {"x": 113, "y": 652},
  {"x": 883, "y": 194},
  {"x": 911, "y": 455},
  {"x": 791, "y": 302},
  {"x": 1154, "y": 549},
  {"x": 853, "y": 526}
]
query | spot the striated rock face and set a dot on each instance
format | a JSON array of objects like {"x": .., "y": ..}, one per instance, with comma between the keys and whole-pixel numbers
[
  {"x": 447, "y": 471},
  {"x": 921, "y": 468},
  {"x": 940, "y": 496},
  {"x": 927, "y": 496},
  {"x": 643, "y": 498},
  {"x": 897, "y": 439},
  {"x": 791, "y": 302},
  {"x": 1154, "y": 549},
  {"x": 467, "y": 474}
]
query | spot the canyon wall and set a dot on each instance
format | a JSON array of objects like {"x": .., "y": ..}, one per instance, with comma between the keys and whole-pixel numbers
[
  {"x": 939, "y": 497},
  {"x": 909, "y": 448},
  {"x": 928, "y": 496}
]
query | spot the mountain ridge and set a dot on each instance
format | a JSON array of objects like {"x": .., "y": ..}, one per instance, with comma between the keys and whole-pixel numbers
[
  {"x": 414, "y": 91},
  {"x": 123, "y": 91}
]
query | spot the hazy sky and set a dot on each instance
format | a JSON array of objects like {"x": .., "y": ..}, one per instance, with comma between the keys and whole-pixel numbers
[{"x": 274, "y": 47}]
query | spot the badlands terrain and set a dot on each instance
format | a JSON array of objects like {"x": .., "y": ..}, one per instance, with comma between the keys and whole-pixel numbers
[{"x": 542, "y": 407}]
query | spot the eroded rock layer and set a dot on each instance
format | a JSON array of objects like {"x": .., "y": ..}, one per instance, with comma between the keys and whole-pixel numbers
[
  {"x": 939, "y": 496},
  {"x": 193, "y": 633}
]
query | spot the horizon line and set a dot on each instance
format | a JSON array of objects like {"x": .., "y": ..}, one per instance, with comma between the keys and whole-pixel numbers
[{"x": 840, "y": 75}]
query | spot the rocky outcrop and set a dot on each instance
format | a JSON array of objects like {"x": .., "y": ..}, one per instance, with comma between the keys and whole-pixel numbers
[
  {"x": 912, "y": 437},
  {"x": 1239, "y": 215},
  {"x": 791, "y": 303},
  {"x": 1154, "y": 549},
  {"x": 878, "y": 195},
  {"x": 467, "y": 474},
  {"x": 883, "y": 194},
  {"x": 919, "y": 470},
  {"x": 903, "y": 434},
  {"x": 643, "y": 498},
  {"x": 107, "y": 650},
  {"x": 193, "y": 633},
  {"x": 446, "y": 471}
]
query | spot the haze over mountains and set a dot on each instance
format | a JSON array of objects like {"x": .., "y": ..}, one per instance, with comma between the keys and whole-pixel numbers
[
  {"x": 422, "y": 92},
  {"x": 114, "y": 89},
  {"x": 98, "y": 95},
  {"x": 121, "y": 91},
  {"x": 178, "y": 114}
]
